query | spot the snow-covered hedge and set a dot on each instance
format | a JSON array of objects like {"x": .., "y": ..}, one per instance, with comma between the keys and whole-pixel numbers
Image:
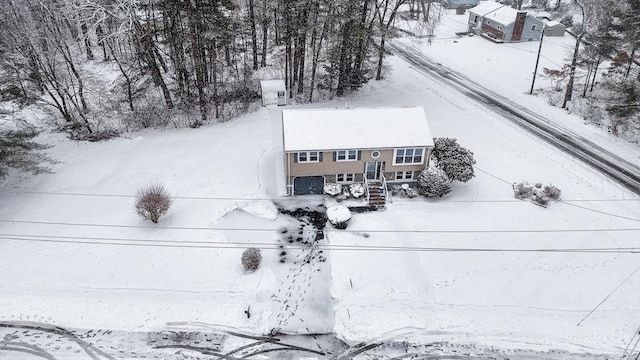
[
  {"x": 339, "y": 216},
  {"x": 541, "y": 195}
]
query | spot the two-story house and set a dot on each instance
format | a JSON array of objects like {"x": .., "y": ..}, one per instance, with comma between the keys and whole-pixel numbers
[
  {"x": 503, "y": 23},
  {"x": 374, "y": 146}
]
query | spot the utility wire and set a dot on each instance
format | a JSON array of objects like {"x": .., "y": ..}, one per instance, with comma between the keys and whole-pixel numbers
[
  {"x": 274, "y": 246},
  {"x": 607, "y": 297},
  {"x": 289, "y": 198},
  {"x": 347, "y": 231}
]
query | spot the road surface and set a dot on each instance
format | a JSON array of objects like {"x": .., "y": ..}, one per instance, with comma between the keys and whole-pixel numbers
[{"x": 618, "y": 169}]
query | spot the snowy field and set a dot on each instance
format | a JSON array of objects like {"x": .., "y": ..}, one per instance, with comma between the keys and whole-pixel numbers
[{"x": 187, "y": 269}]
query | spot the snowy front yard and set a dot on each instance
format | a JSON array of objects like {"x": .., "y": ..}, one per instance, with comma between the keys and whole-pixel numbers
[{"x": 187, "y": 269}]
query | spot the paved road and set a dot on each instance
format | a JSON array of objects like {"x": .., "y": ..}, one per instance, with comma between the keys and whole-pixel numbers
[{"x": 620, "y": 170}]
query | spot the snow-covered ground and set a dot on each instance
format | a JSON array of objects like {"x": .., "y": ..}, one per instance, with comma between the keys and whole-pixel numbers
[{"x": 187, "y": 268}]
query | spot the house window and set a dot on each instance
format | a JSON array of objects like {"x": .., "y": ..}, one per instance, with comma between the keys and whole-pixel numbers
[
  {"x": 534, "y": 28},
  {"x": 499, "y": 27},
  {"x": 345, "y": 177},
  {"x": 375, "y": 154},
  {"x": 346, "y": 155},
  {"x": 404, "y": 175},
  {"x": 409, "y": 156},
  {"x": 475, "y": 18},
  {"x": 280, "y": 94},
  {"x": 308, "y": 157}
]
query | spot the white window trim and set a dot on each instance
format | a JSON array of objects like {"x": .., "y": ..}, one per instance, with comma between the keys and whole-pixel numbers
[
  {"x": 346, "y": 155},
  {"x": 345, "y": 178},
  {"x": 403, "y": 175},
  {"x": 395, "y": 155},
  {"x": 308, "y": 161}
]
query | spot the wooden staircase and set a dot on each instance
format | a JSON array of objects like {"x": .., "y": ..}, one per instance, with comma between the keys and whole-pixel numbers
[{"x": 377, "y": 195}]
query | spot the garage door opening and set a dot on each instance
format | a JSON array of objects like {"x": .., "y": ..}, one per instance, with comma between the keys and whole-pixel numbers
[{"x": 308, "y": 185}]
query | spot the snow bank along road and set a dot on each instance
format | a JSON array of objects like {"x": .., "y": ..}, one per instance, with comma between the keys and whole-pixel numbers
[{"x": 622, "y": 171}]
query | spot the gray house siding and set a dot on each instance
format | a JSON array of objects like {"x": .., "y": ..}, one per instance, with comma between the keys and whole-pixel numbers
[{"x": 530, "y": 34}]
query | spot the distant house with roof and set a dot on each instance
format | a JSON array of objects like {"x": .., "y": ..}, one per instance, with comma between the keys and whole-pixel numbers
[
  {"x": 373, "y": 146},
  {"x": 554, "y": 28},
  {"x": 503, "y": 23}
]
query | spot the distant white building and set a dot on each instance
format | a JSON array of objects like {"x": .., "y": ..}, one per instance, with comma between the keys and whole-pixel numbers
[{"x": 274, "y": 92}]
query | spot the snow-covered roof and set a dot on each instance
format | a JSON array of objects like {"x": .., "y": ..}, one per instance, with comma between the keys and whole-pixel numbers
[
  {"x": 553, "y": 23},
  {"x": 485, "y": 7},
  {"x": 543, "y": 15},
  {"x": 497, "y": 12},
  {"x": 272, "y": 85},
  {"x": 355, "y": 128}
]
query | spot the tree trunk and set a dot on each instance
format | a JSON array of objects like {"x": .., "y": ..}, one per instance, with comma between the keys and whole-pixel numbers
[
  {"x": 380, "y": 55},
  {"x": 265, "y": 28},
  {"x": 630, "y": 64},
  {"x": 87, "y": 41},
  {"x": 254, "y": 35},
  {"x": 126, "y": 77},
  {"x": 197, "y": 53},
  {"x": 593, "y": 81},
  {"x": 572, "y": 73}
]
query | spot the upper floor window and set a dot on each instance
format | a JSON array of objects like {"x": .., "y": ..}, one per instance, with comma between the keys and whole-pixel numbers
[
  {"x": 346, "y": 155},
  {"x": 280, "y": 94},
  {"x": 308, "y": 157},
  {"x": 534, "y": 28},
  {"x": 408, "y": 156}
]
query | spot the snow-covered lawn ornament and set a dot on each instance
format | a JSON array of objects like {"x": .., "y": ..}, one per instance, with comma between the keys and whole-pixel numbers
[
  {"x": 339, "y": 216},
  {"x": 333, "y": 189},
  {"x": 356, "y": 190},
  {"x": 537, "y": 194}
]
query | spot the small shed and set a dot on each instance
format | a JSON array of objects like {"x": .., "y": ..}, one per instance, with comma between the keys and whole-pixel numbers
[
  {"x": 274, "y": 92},
  {"x": 554, "y": 28}
]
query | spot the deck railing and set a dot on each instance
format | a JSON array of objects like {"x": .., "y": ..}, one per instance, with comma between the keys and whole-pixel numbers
[
  {"x": 366, "y": 185},
  {"x": 387, "y": 198}
]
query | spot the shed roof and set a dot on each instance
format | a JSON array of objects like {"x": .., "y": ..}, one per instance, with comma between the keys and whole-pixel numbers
[
  {"x": 272, "y": 85},
  {"x": 497, "y": 12},
  {"x": 355, "y": 128},
  {"x": 554, "y": 24}
]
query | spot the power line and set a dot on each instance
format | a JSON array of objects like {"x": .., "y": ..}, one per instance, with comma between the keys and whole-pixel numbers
[
  {"x": 347, "y": 231},
  {"x": 293, "y": 198},
  {"x": 272, "y": 246},
  {"x": 607, "y": 297}
]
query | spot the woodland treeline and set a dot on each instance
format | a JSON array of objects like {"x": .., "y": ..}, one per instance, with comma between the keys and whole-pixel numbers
[
  {"x": 602, "y": 74},
  {"x": 194, "y": 55}
]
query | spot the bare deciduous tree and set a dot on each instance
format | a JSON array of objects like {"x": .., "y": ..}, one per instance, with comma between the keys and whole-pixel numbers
[{"x": 152, "y": 202}]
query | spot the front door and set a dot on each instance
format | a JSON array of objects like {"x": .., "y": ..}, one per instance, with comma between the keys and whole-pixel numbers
[{"x": 372, "y": 170}]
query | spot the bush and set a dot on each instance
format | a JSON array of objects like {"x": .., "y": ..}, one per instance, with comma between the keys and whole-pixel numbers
[
  {"x": 536, "y": 193},
  {"x": 433, "y": 182},
  {"x": 339, "y": 216},
  {"x": 152, "y": 202},
  {"x": 356, "y": 190},
  {"x": 456, "y": 161},
  {"x": 523, "y": 191},
  {"x": 333, "y": 189},
  {"x": 552, "y": 192},
  {"x": 251, "y": 259}
]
